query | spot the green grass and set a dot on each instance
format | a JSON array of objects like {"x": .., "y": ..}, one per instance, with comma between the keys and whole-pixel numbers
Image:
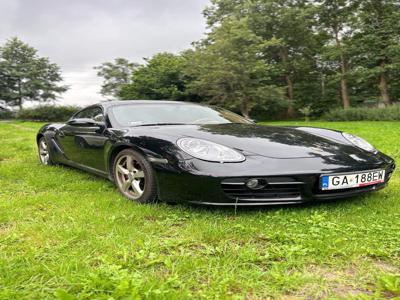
[{"x": 67, "y": 234}]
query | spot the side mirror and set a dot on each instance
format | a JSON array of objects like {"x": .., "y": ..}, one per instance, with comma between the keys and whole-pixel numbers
[{"x": 86, "y": 122}]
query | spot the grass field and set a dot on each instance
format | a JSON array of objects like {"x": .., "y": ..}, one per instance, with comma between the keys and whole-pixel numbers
[{"x": 67, "y": 234}]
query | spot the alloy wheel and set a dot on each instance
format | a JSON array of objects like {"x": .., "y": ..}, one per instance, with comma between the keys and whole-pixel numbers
[
  {"x": 130, "y": 176},
  {"x": 44, "y": 154}
]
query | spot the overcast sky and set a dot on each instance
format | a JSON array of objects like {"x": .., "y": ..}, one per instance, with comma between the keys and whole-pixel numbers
[{"x": 79, "y": 34}]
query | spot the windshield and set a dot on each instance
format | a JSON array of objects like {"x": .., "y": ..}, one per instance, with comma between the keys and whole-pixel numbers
[{"x": 127, "y": 115}]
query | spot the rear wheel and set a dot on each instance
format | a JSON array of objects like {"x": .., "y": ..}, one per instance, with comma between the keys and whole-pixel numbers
[
  {"x": 44, "y": 153},
  {"x": 135, "y": 177}
]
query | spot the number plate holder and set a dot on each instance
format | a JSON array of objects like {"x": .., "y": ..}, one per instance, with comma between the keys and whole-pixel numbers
[{"x": 351, "y": 180}]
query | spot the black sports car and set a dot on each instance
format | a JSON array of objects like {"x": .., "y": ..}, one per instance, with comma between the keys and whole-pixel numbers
[{"x": 186, "y": 152}]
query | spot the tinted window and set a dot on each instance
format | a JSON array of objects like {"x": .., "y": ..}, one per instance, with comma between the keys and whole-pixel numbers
[
  {"x": 174, "y": 113},
  {"x": 90, "y": 113}
]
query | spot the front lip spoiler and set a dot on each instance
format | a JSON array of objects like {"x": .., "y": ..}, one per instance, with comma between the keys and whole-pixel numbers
[
  {"x": 275, "y": 203},
  {"x": 315, "y": 198}
]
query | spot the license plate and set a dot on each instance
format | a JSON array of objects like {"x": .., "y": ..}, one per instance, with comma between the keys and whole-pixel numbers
[{"x": 346, "y": 181}]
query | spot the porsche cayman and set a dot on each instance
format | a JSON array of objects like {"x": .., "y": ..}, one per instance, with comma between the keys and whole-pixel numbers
[{"x": 185, "y": 152}]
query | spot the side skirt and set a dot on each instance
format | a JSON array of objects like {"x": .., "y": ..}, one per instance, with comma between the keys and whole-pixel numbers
[{"x": 87, "y": 169}]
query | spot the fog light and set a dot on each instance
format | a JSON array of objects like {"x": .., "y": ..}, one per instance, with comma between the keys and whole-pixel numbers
[
  {"x": 255, "y": 183},
  {"x": 252, "y": 183}
]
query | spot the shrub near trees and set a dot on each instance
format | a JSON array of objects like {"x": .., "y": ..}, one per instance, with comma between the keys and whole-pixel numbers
[
  {"x": 283, "y": 56},
  {"x": 390, "y": 113},
  {"x": 47, "y": 113}
]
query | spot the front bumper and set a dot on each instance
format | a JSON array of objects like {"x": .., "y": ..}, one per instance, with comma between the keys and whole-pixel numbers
[{"x": 205, "y": 183}]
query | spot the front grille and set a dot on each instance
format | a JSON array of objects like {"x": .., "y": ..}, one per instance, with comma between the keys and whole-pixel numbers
[
  {"x": 277, "y": 189},
  {"x": 290, "y": 189}
]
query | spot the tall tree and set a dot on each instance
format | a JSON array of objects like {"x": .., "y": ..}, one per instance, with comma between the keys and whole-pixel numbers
[
  {"x": 227, "y": 68},
  {"x": 161, "y": 77},
  {"x": 115, "y": 75},
  {"x": 287, "y": 28},
  {"x": 26, "y": 76},
  {"x": 377, "y": 43},
  {"x": 336, "y": 18},
  {"x": 290, "y": 23}
]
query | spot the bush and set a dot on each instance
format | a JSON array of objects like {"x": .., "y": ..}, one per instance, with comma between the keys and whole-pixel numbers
[
  {"x": 391, "y": 113},
  {"x": 6, "y": 114},
  {"x": 49, "y": 113},
  {"x": 306, "y": 112}
]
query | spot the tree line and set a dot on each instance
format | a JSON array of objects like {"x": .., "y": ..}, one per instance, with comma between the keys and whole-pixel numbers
[
  {"x": 276, "y": 56},
  {"x": 273, "y": 58}
]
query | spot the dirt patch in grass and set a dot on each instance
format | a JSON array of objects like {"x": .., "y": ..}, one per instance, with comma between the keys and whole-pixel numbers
[
  {"x": 331, "y": 282},
  {"x": 385, "y": 266},
  {"x": 6, "y": 228},
  {"x": 151, "y": 218}
]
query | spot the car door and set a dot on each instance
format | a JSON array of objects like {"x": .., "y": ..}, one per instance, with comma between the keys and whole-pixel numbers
[{"x": 83, "y": 140}]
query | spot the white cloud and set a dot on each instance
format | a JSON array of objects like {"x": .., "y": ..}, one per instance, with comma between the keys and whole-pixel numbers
[
  {"x": 84, "y": 87},
  {"x": 78, "y": 35}
]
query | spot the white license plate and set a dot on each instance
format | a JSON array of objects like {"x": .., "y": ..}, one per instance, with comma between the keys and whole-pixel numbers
[{"x": 346, "y": 181}]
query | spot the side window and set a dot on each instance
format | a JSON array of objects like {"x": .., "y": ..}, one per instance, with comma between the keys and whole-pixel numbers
[
  {"x": 94, "y": 113},
  {"x": 79, "y": 115}
]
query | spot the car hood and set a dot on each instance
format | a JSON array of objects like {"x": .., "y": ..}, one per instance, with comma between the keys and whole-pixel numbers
[{"x": 252, "y": 139}]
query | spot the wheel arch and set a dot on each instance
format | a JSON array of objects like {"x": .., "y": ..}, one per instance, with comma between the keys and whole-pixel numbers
[
  {"x": 43, "y": 132},
  {"x": 38, "y": 137}
]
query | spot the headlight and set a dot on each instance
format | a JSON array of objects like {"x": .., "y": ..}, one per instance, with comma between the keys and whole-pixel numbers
[
  {"x": 359, "y": 142},
  {"x": 209, "y": 151}
]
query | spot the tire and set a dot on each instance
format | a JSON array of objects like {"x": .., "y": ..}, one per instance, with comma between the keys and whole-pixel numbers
[
  {"x": 44, "y": 152},
  {"x": 134, "y": 176}
]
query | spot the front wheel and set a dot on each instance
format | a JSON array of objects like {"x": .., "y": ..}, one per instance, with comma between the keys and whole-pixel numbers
[
  {"x": 135, "y": 177},
  {"x": 44, "y": 152}
]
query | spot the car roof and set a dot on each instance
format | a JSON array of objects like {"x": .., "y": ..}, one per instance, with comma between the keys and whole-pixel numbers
[{"x": 107, "y": 104}]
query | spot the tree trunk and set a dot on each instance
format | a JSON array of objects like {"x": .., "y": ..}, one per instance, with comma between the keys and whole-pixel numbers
[
  {"x": 244, "y": 109},
  {"x": 19, "y": 94},
  {"x": 343, "y": 67},
  {"x": 383, "y": 80},
  {"x": 289, "y": 83},
  {"x": 290, "y": 110},
  {"x": 383, "y": 87},
  {"x": 344, "y": 92}
]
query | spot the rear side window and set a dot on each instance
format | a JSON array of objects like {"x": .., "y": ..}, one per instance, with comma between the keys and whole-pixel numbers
[{"x": 90, "y": 113}]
